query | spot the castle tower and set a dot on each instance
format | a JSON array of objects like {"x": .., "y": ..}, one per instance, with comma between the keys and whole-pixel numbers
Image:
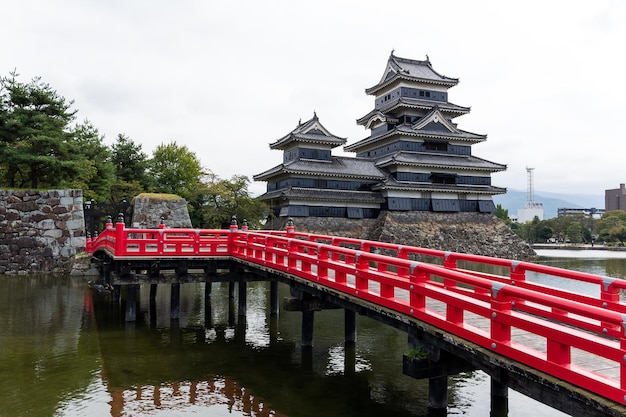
[
  {"x": 415, "y": 158},
  {"x": 415, "y": 140},
  {"x": 313, "y": 182}
]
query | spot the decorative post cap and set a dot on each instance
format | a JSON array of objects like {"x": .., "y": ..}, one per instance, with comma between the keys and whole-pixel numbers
[
  {"x": 244, "y": 225},
  {"x": 290, "y": 227},
  {"x": 233, "y": 223},
  {"x": 120, "y": 218}
]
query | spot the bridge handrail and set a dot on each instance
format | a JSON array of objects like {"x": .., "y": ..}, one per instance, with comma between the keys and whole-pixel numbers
[
  {"x": 354, "y": 272},
  {"x": 609, "y": 288},
  {"x": 172, "y": 242},
  {"x": 411, "y": 287}
]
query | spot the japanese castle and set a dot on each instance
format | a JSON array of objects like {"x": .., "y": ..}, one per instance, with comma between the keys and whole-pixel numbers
[{"x": 414, "y": 159}]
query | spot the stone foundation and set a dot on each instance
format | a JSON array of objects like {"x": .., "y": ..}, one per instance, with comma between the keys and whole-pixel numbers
[
  {"x": 40, "y": 231},
  {"x": 148, "y": 211},
  {"x": 475, "y": 233}
]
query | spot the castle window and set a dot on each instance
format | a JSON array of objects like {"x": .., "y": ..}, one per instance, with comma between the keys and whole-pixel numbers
[
  {"x": 439, "y": 178},
  {"x": 436, "y": 146}
]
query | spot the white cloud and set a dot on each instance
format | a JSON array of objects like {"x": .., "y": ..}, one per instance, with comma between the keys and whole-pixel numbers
[{"x": 544, "y": 79}]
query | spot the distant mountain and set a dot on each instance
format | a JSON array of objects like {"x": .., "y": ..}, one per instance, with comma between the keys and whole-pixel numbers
[{"x": 516, "y": 199}]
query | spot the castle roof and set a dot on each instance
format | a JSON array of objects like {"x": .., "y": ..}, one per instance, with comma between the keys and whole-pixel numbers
[
  {"x": 342, "y": 167},
  {"x": 414, "y": 103},
  {"x": 392, "y": 184},
  {"x": 439, "y": 161},
  {"x": 433, "y": 125},
  {"x": 311, "y": 131},
  {"x": 410, "y": 70},
  {"x": 314, "y": 194}
]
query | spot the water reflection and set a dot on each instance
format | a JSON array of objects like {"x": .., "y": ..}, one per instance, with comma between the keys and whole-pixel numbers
[
  {"x": 65, "y": 352},
  {"x": 250, "y": 352},
  {"x": 43, "y": 358}
]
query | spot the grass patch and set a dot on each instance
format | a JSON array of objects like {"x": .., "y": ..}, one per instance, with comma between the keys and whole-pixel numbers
[
  {"x": 159, "y": 196},
  {"x": 417, "y": 353}
]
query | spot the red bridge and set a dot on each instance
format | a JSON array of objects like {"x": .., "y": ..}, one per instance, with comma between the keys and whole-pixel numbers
[{"x": 564, "y": 348}]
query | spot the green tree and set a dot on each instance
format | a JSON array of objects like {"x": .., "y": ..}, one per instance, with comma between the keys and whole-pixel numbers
[
  {"x": 574, "y": 232},
  {"x": 36, "y": 143},
  {"x": 502, "y": 214},
  {"x": 175, "y": 170},
  {"x": 100, "y": 172},
  {"x": 218, "y": 199},
  {"x": 131, "y": 169},
  {"x": 618, "y": 233},
  {"x": 609, "y": 227}
]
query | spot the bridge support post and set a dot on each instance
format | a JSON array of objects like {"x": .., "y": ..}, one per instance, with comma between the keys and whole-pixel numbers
[
  {"x": 438, "y": 393},
  {"x": 153, "y": 291},
  {"x": 499, "y": 398},
  {"x": 308, "y": 317},
  {"x": 274, "y": 298},
  {"x": 105, "y": 272},
  {"x": 242, "y": 298},
  {"x": 175, "y": 301},
  {"x": 231, "y": 289},
  {"x": 350, "y": 326},
  {"x": 117, "y": 293}
]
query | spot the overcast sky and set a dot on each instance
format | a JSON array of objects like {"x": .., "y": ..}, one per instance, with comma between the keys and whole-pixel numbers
[{"x": 545, "y": 80}]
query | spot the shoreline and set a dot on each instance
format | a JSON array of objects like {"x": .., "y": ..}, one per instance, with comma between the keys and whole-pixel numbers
[{"x": 568, "y": 246}]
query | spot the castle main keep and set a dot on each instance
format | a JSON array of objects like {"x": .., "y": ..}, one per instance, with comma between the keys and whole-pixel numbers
[
  {"x": 414, "y": 159},
  {"x": 413, "y": 180}
]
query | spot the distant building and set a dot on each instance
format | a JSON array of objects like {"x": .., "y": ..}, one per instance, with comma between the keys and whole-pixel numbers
[
  {"x": 615, "y": 199},
  {"x": 529, "y": 212},
  {"x": 531, "y": 209},
  {"x": 414, "y": 159},
  {"x": 587, "y": 212}
]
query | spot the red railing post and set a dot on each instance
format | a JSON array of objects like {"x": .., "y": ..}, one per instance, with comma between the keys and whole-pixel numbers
[
  {"x": 292, "y": 250},
  {"x": 418, "y": 279},
  {"x": 290, "y": 229},
  {"x": 449, "y": 261},
  {"x": 500, "y": 305},
  {"x": 622, "y": 366},
  {"x": 322, "y": 262},
  {"x": 361, "y": 268},
  {"x": 518, "y": 273},
  {"x": 608, "y": 292},
  {"x": 120, "y": 236},
  {"x": 233, "y": 224}
]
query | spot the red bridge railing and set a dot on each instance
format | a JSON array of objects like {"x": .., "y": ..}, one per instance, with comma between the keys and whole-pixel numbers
[{"x": 579, "y": 338}]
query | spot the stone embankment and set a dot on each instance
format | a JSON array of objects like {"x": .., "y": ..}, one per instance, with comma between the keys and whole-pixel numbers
[
  {"x": 150, "y": 209},
  {"x": 40, "y": 231},
  {"x": 476, "y": 233}
]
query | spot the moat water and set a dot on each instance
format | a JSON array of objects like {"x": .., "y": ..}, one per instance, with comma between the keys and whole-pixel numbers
[{"x": 64, "y": 352}]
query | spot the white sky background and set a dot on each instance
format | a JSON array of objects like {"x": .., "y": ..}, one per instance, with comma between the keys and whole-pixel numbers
[{"x": 545, "y": 79}]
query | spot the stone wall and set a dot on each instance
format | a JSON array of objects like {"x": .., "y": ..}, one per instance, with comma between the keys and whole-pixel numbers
[
  {"x": 40, "y": 231},
  {"x": 149, "y": 210},
  {"x": 475, "y": 233}
]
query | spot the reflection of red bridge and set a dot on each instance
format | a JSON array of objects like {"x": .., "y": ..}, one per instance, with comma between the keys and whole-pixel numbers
[
  {"x": 530, "y": 331},
  {"x": 219, "y": 391}
]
